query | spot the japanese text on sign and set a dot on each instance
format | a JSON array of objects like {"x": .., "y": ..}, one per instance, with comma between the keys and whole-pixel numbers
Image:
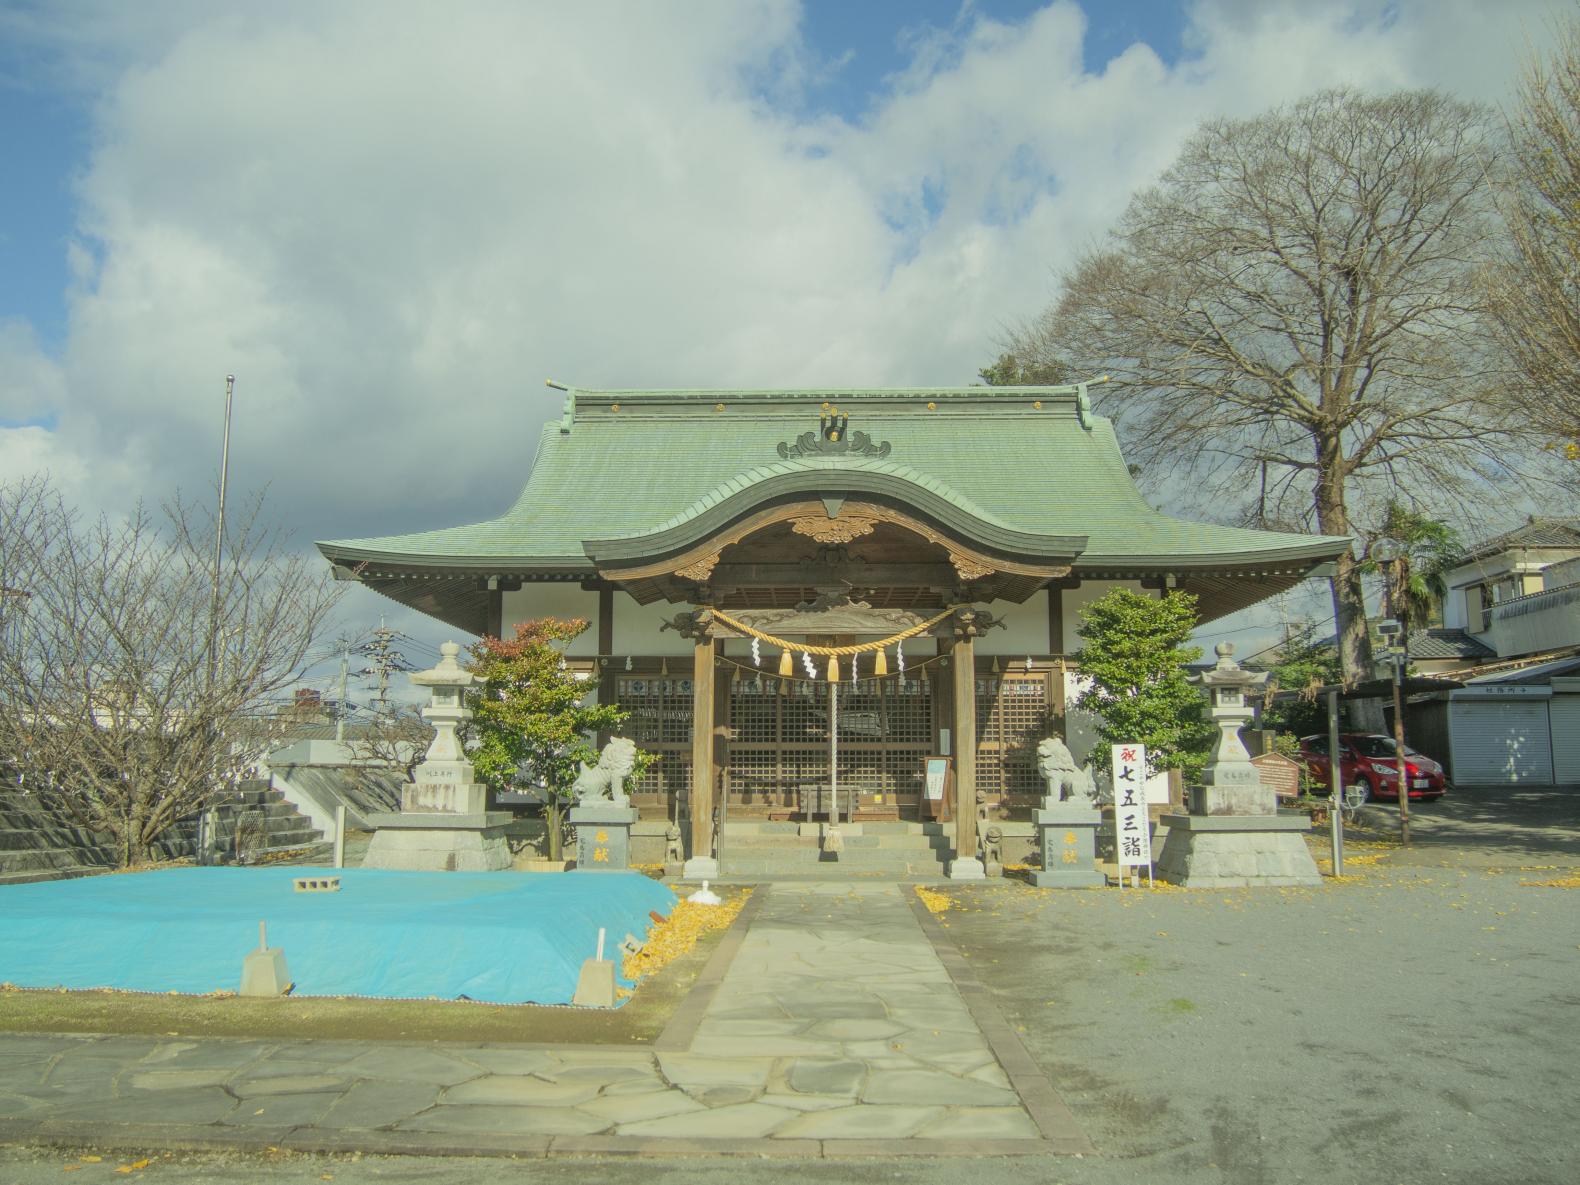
[{"x": 1132, "y": 834}]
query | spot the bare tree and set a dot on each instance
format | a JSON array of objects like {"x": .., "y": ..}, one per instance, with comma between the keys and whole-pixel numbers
[
  {"x": 397, "y": 739},
  {"x": 1293, "y": 311},
  {"x": 1536, "y": 285},
  {"x": 110, "y": 710}
]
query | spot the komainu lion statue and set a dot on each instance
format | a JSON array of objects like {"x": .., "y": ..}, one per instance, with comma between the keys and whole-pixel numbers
[
  {"x": 605, "y": 782},
  {"x": 1066, "y": 780}
]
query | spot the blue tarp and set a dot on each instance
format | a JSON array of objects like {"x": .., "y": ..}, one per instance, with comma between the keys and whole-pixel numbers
[{"x": 502, "y": 937}]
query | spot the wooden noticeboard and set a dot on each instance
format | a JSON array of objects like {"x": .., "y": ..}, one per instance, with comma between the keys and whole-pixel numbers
[
  {"x": 938, "y": 788},
  {"x": 1279, "y": 773}
]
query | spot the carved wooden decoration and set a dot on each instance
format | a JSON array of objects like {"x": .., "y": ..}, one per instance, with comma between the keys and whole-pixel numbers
[
  {"x": 833, "y": 530},
  {"x": 969, "y": 568},
  {"x": 809, "y": 518},
  {"x": 701, "y": 569},
  {"x": 969, "y": 622},
  {"x": 696, "y": 625}
]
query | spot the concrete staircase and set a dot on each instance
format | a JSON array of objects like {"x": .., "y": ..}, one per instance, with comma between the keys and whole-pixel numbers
[
  {"x": 269, "y": 826},
  {"x": 36, "y": 847},
  {"x": 872, "y": 851}
]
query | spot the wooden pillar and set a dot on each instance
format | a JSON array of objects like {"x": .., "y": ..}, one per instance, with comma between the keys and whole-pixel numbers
[
  {"x": 1055, "y": 619},
  {"x": 608, "y": 689},
  {"x": 495, "y": 624},
  {"x": 702, "y": 746},
  {"x": 964, "y": 668},
  {"x": 724, "y": 676}
]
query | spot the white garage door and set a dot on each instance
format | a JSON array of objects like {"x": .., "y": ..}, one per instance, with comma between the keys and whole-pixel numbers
[
  {"x": 1501, "y": 741},
  {"x": 1565, "y": 711}
]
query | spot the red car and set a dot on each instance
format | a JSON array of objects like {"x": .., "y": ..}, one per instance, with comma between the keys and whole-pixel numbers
[{"x": 1370, "y": 761}]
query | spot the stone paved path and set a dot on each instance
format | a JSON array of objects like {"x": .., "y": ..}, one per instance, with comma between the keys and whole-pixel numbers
[{"x": 835, "y": 1021}]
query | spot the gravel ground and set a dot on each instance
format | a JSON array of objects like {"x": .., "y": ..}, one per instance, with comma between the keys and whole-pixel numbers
[{"x": 1415, "y": 1022}]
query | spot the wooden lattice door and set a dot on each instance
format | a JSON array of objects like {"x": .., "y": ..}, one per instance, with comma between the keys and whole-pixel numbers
[{"x": 1015, "y": 710}]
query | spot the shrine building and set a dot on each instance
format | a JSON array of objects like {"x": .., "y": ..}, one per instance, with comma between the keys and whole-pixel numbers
[{"x": 733, "y": 550}]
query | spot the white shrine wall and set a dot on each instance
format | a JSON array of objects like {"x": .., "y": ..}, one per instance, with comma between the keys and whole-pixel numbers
[
  {"x": 1025, "y": 628},
  {"x": 1076, "y": 599},
  {"x": 532, "y": 601}
]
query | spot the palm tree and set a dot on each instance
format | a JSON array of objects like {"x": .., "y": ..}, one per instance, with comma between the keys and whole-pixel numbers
[{"x": 1415, "y": 563}]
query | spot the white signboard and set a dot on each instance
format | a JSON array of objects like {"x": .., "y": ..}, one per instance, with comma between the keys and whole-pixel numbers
[
  {"x": 937, "y": 776},
  {"x": 1132, "y": 833}
]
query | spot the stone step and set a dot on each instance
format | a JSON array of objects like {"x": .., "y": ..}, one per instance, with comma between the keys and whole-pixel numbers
[
  {"x": 276, "y": 809},
  {"x": 868, "y": 828},
  {"x": 40, "y": 860},
  {"x": 290, "y": 837},
  {"x": 894, "y": 843},
  {"x": 802, "y": 858},
  {"x": 919, "y": 872},
  {"x": 51, "y": 874},
  {"x": 312, "y": 852}
]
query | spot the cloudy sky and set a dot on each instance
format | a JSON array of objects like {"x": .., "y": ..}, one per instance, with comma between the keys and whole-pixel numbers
[{"x": 392, "y": 219}]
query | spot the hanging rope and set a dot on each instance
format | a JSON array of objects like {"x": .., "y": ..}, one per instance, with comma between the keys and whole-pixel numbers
[
  {"x": 912, "y": 671},
  {"x": 831, "y": 651}
]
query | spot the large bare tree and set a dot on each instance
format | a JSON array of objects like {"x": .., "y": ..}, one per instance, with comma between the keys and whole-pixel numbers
[
  {"x": 125, "y": 684},
  {"x": 1292, "y": 320},
  {"x": 1536, "y": 285}
]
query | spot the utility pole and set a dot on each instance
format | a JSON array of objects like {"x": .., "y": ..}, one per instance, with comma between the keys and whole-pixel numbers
[
  {"x": 340, "y": 707},
  {"x": 386, "y": 658}
]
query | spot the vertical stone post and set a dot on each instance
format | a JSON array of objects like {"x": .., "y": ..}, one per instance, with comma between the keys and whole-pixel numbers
[{"x": 703, "y": 862}]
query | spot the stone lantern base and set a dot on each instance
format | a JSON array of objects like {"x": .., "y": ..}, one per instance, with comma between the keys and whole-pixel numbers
[
  {"x": 1236, "y": 851},
  {"x": 415, "y": 841}
]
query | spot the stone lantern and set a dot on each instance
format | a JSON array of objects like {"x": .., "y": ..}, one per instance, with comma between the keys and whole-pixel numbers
[
  {"x": 1234, "y": 834},
  {"x": 444, "y": 824},
  {"x": 1230, "y": 783}
]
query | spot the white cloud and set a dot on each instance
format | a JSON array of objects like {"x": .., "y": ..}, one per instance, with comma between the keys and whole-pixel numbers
[{"x": 392, "y": 221}]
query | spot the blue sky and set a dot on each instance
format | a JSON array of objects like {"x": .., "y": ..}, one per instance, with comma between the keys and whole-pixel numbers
[
  {"x": 391, "y": 219},
  {"x": 46, "y": 125}
]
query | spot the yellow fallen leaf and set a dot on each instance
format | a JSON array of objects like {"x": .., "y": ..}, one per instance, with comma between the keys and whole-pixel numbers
[
  {"x": 69, "y": 1168},
  {"x": 90, "y": 1159}
]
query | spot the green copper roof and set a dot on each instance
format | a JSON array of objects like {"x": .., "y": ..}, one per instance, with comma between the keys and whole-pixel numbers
[{"x": 620, "y": 465}]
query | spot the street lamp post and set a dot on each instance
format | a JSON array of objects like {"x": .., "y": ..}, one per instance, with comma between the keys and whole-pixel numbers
[{"x": 1392, "y": 555}]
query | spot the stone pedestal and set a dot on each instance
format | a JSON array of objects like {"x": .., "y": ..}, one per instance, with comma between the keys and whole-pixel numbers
[
  {"x": 444, "y": 824},
  {"x": 1067, "y": 838},
  {"x": 603, "y": 836},
  {"x": 700, "y": 868},
  {"x": 962, "y": 869},
  {"x": 432, "y": 842},
  {"x": 1236, "y": 851}
]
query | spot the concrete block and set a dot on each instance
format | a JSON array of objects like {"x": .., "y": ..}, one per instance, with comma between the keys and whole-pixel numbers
[
  {"x": 264, "y": 973},
  {"x": 595, "y": 984}
]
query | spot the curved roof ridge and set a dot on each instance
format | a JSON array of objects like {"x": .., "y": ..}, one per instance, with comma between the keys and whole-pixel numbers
[{"x": 750, "y": 477}]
